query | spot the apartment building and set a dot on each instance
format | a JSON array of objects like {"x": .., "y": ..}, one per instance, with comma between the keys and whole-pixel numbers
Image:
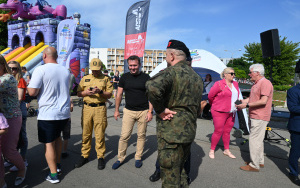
[
  {"x": 113, "y": 58},
  {"x": 226, "y": 60}
]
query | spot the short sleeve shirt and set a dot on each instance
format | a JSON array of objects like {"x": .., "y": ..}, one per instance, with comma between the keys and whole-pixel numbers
[
  {"x": 102, "y": 82},
  {"x": 262, "y": 87},
  {"x": 54, "y": 100},
  {"x": 135, "y": 91},
  {"x": 9, "y": 102},
  {"x": 22, "y": 84}
]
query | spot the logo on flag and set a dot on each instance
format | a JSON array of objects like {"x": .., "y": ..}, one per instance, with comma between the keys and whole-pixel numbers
[
  {"x": 63, "y": 51},
  {"x": 138, "y": 13}
]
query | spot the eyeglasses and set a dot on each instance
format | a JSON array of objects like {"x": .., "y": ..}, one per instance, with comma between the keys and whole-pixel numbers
[
  {"x": 232, "y": 73},
  {"x": 252, "y": 72},
  {"x": 13, "y": 68}
]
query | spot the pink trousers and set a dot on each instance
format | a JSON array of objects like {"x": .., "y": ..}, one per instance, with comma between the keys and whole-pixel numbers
[
  {"x": 8, "y": 145},
  {"x": 223, "y": 123}
]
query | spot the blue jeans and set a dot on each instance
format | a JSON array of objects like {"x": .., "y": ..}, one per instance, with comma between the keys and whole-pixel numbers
[
  {"x": 294, "y": 153},
  {"x": 23, "y": 149}
]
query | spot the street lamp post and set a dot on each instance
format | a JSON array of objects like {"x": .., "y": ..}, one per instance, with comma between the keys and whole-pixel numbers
[{"x": 232, "y": 52}]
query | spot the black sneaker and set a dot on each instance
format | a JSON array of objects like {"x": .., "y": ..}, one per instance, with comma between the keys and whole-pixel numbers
[
  {"x": 294, "y": 179},
  {"x": 101, "y": 164},
  {"x": 81, "y": 162}
]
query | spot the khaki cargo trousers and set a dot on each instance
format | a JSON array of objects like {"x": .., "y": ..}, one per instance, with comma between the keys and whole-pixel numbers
[{"x": 93, "y": 118}]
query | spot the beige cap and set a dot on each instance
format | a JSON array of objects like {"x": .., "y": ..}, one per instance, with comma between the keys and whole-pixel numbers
[{"x": 96, "y": 64}]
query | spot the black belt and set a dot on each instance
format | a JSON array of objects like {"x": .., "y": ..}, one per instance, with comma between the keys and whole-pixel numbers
[{"x": 94, "y": 104}]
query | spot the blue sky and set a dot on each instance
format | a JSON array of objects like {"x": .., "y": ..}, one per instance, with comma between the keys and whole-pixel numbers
[{"x": 215, "y": 25}]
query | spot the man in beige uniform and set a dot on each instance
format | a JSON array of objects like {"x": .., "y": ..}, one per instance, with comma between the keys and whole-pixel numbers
[{"x": 95, "y": 90}]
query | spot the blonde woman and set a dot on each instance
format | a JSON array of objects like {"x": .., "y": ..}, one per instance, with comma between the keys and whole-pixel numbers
[
  {"x": 22, "y": 87},
  {"x": 222, "y": 97},
  {"x": 12, "y": 112}
]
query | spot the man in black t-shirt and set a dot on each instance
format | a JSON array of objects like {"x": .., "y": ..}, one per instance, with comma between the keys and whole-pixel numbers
[{"x": 137, "y": 109}]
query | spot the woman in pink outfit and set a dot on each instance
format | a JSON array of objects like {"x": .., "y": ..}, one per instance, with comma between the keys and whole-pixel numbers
[
  {"x": 11, "y": 110},
  {"x": 222, "y": 97}
]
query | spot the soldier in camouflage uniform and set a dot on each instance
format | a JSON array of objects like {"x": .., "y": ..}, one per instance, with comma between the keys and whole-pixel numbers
[{"x": 175, "y": 94}]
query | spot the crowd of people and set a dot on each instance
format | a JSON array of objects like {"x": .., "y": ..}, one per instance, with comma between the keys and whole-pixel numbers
[{"x": 178, "y": 95}]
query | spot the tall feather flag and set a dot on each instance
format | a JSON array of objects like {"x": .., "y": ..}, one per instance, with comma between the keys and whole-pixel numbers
[{"x": 136, "y": 29}]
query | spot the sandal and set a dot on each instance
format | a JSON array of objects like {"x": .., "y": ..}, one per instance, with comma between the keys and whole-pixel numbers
[
  {"x": 229, "y": 154},
  {"x": 211, "y": 154}
]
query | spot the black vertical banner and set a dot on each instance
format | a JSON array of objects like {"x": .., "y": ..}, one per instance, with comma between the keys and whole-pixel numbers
[{"x": 136, "y": 29}]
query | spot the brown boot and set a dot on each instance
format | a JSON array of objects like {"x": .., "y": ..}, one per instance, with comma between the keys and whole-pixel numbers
[
  {"x": 260, "y": 165},
  {"x": 249, "y": 168}
]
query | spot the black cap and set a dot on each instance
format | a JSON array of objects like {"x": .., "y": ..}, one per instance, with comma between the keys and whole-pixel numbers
[{"x": 178, "y": 45}]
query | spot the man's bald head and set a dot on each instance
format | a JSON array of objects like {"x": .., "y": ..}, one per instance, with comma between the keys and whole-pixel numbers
[{"x": 50, "y": 55}]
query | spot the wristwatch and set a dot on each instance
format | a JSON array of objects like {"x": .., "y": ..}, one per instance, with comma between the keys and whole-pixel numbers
[
  {"x": 101, "y": 92},
  {"x": 247, "y": 106}
]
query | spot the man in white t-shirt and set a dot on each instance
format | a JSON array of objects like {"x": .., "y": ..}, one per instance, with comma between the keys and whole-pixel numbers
[{"x": 50, "y": 83}]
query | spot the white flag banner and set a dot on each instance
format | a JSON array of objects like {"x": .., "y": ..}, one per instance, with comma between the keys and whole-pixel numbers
[{"x": 65, "y": 40}]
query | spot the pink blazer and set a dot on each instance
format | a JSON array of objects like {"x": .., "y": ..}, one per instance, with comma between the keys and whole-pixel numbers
[{"x": 220, "y": 96}]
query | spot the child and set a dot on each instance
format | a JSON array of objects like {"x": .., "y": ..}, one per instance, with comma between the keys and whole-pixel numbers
[{"x": 3, "y": 129}]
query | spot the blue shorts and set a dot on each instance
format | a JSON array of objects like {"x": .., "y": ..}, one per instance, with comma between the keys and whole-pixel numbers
[
  {"x": 205, "y": 97},
  {"x": 50, "y": 130}
]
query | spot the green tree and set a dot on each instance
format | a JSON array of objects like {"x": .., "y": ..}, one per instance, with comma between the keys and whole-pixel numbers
[
  {"x": 283, "y": 65},
  {"x": 240, "y": 66},
  {"x": 240, "y": 73},
  {"x": 253, "y": 53},
  {"x": 3, "y": 30}
]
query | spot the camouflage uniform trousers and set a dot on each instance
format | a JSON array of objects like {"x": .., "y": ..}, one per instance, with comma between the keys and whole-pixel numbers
[{"x": 171, "y": 159}]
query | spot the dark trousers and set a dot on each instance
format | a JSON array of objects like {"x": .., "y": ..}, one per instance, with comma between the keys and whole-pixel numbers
[
  {"x": 294, "y": 153},
  {"x": 187, "y": 165},
  {"x": 172, "y": 158}
]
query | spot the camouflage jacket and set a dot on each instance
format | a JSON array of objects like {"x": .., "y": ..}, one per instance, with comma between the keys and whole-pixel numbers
[{"x": 178, "y": 88}]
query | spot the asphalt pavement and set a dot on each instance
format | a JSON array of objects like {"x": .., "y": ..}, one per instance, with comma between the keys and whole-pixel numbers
[{"x": 205, "y": 172}]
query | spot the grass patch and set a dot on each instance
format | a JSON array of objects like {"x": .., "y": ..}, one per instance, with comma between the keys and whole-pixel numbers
[{"x": 279, "y": 95}]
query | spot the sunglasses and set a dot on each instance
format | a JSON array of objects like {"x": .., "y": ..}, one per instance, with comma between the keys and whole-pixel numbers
[
  {"x": 232, "y": 73},
  {"x": 252, "y": 72},
  {"x": 13, "y": 68}
]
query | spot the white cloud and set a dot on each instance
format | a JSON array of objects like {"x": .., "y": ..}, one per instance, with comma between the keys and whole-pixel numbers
[{"x": 292, "y": 8}]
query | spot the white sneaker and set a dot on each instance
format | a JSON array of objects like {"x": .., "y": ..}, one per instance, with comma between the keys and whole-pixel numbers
[
  {"x": 54, "y": 179},
  {"x": 20, "y": 180},
  {"x": 7, "y": 164},
  {"x": 14, "y": 168}
]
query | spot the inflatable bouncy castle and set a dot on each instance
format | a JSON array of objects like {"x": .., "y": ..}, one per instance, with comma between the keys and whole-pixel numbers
[{"x": 35, "y": 27}]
